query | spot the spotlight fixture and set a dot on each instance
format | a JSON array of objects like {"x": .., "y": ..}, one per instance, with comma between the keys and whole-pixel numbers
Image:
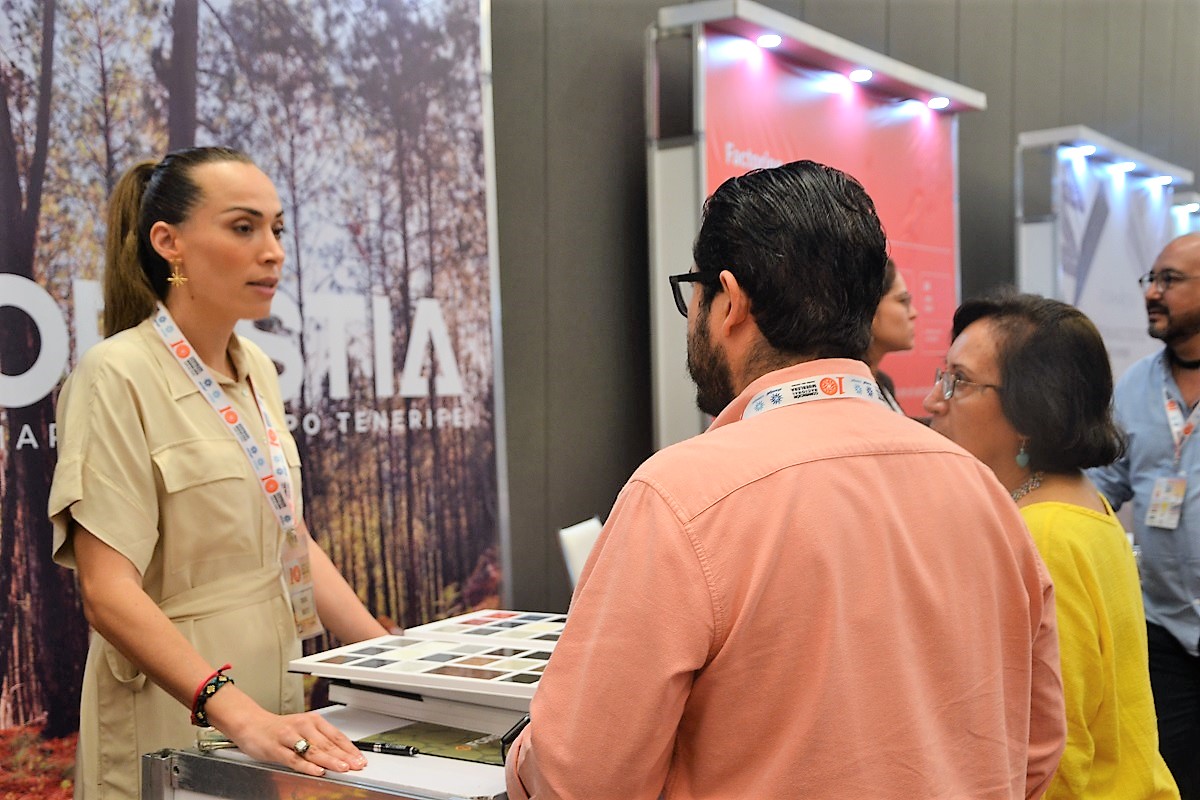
[
  {"x": 1123, "y": 166},
  {"x": 1086, "y": 150},
  {"x": 769, "y": 40},
  {"x": 1160, "y": 180},
  {"x": 1184, "y": 203},
  {"x": 938, "y": 103},
  {"x": 860, "y": 75}
]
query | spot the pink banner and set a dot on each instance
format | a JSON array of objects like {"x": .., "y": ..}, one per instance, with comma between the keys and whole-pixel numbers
[{"x": 762, "y": 110}]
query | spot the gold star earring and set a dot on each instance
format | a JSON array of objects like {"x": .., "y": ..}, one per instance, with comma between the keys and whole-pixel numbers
[{"x": 177, "y": 278}]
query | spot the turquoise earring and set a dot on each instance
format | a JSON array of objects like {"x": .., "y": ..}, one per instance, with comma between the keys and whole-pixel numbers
[{"x": 1022, "y": 457}]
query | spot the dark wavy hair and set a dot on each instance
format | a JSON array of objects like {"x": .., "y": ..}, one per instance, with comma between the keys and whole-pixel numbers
[
  {"x": 1055, "y": 378},
  {"x": 804, "y": 241}
]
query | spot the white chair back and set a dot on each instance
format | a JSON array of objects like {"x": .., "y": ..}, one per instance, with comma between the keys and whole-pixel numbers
[{"x": 577, "y": 541}]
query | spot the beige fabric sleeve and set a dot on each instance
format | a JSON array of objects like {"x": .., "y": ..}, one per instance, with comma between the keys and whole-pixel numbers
[{"x": 104, "y": 478}]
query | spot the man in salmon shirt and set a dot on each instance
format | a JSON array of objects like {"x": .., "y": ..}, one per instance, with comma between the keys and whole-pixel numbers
[{"x": 817, "y": 597}]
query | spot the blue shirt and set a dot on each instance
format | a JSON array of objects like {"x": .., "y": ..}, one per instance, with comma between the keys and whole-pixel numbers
[{"x": 1170, "y": 559}]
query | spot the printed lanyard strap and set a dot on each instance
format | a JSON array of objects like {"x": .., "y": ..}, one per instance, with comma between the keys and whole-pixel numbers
[
  {"x": 1181, "y": 430},
  {"x": 273, "y": 475},
  {"x": 806, "y": 390}
]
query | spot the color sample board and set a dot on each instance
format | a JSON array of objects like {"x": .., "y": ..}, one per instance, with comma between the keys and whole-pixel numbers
[
  {"x": 493, "y": 658},
  {"x": 518, "y": 627}
]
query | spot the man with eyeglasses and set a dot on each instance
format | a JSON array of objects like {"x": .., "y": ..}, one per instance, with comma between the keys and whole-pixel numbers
[
  {"x": 1156, "y": 403},
  {"x": 817, "y": 597}
]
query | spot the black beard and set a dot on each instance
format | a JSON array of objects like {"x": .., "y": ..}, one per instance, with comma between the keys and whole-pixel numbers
[
  {"x": 1175, "y": 328},
  {"x": 709, "y": 370}
]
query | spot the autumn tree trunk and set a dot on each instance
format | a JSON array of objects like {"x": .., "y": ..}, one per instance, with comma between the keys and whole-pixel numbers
[{"x": 181, "y": 75}]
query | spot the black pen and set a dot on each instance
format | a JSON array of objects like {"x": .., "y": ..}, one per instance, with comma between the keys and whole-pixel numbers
[
  {"x": 506, "y": 741},
  {"x": 388, "y": 749}
]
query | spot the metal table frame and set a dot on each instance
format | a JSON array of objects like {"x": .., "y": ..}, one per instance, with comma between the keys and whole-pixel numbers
[{"x": 179, "y": 774}]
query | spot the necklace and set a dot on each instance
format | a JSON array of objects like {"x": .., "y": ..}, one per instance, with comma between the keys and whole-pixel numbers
[
  {"x": 1179, "y": 362},
  {"x": 1031, "y": 483}
]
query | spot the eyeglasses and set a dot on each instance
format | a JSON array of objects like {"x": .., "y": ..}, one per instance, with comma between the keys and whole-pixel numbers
[
  {"x": 950, "y": 381},
  {"x": 703, "y": 278},
  {"x": 1163, "y": 280}
]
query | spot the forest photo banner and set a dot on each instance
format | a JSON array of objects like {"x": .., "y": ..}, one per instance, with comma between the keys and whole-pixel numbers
[{"x": 369, "y": 116}]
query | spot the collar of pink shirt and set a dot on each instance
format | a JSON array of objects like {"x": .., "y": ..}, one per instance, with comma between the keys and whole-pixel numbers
[{"x": 805, "y": 369}]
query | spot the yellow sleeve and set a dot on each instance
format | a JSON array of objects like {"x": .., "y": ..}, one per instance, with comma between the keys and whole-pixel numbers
[{"x": 1083, "y": 662}]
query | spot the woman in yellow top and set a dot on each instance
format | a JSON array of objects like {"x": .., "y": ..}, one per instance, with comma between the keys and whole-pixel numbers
[
  {"x": 1027, "y": 389},
  {"x": 178, "y": 484}
]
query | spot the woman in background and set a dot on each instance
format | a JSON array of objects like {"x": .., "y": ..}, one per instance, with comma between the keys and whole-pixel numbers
[
  {"x": 892, "y": 329},
  {"x": 1027, "y": 389},
  {"x": 177, "y": 491}
]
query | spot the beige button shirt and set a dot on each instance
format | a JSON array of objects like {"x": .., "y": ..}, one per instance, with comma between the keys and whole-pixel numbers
[{"x": 148, "y": 467}]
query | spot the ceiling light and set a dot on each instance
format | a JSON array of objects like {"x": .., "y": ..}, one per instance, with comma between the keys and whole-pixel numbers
[
  {"x": 860, "y": 75},
  {"x": 938, "y": 103},
  {"x": 769, "y": 40}
]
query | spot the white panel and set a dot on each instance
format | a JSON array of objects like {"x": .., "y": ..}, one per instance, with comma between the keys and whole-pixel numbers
[
  {"x": 1111, "y": 227},
  {"x": 1035, "y": 259},
  {"x": 674, "y": 220},
  {"x": 1106, "y": 230},
  {"x": 498, "y": 393}
]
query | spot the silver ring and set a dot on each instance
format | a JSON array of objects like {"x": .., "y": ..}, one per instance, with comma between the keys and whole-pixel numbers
[{"x": 301, "y": 747}]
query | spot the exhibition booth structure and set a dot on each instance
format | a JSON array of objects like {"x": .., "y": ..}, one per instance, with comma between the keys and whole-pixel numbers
[
  {"x": 732, "y": 85},
  {"x": 1092, "y": 214}
]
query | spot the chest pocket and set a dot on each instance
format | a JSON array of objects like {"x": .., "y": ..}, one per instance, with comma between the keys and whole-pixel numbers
[
  {"x": 189, "y": 464},
  {"x": 210, "y": 509}
]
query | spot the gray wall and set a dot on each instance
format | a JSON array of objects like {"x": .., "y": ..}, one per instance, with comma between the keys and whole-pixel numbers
[{"x": 571, "y": 175}]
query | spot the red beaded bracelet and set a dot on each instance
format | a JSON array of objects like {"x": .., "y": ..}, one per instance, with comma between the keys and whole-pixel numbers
[{"x": 206, "y": 690}]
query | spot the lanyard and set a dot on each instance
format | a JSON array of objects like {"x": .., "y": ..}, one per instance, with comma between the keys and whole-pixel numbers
[
  {"x": 889, "y": 399},
  {"x": 273, "y": 475},
  {"x": 806, "y": 390},
  {"x": 1181, "y": 431}
]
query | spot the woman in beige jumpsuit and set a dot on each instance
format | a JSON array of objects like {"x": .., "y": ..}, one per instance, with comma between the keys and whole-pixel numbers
[{"x": 156, "y": 504}]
